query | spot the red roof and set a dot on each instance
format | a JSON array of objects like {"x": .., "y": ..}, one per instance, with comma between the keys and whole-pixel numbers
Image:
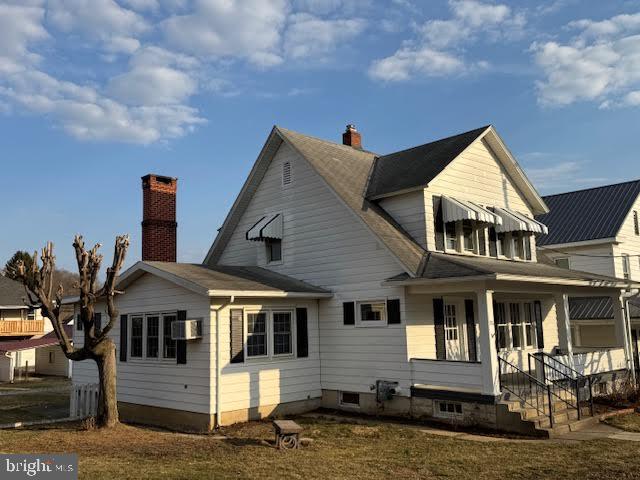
[{"x": 45, "y": 341}]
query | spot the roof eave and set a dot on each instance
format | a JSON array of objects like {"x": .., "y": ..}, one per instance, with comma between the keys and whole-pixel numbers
[
  {"x": 268, "y": 294},
  {"x": 581, "y": 243}
]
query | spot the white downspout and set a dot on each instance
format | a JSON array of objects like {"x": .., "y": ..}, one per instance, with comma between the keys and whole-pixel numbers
[
  {"x": 628, "y": 296},
  {"x": 218, "y": 366}
]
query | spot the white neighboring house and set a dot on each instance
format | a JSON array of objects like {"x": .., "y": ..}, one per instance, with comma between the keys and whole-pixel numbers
[
  {"x": 597, "y": 230},
  {"x": 404, "y": 283}
]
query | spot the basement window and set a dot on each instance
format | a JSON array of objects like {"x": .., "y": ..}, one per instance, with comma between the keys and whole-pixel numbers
[
  {"x": 448, "y": 410},
  {"x": 350, "y": 399},
  {"x": 562, "y": 262}
]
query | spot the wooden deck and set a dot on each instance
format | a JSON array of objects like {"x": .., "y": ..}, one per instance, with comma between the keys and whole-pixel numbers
[{"x": 21, "y": 327}]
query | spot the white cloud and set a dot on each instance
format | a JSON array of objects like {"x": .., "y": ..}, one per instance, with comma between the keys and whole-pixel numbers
[
  {"x": 103, "y": 20},
  {"x": 559, "y": 173},
  {"x": 601, "y": 64},
  {"x": 437, "y": 49},
  {"x": 308, "y": 36},
  {"x": 219, "y": 28},
  {"x": 19, "y": 26}
]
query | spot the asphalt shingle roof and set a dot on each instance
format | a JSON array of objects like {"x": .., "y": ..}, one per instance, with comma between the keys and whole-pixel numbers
[
  {"x": 225, "y": 277},
  {"x": 587, "y": 214},
  {"x": 11, "y": 292},
  {"x": 417, "y": 166}
]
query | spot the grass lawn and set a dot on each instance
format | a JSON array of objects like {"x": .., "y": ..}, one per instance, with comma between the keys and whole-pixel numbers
[
  {"x": 34, "y": 400},
  {"x": 629, "y": 422},
  {"x": 339, "y": 450}
]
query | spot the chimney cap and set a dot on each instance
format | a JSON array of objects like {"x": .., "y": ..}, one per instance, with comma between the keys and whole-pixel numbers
[{"x": 351, "y": 128}]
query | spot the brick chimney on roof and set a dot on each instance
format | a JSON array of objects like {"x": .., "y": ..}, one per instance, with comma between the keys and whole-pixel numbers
[
  {"x": 352, "y": 137},
  {"x": 159, "y": 227}
]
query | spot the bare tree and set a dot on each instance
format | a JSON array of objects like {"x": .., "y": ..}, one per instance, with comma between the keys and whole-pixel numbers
[{"x": 39, "y": 280}]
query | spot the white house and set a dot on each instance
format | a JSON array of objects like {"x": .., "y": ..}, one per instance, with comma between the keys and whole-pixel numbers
[
  {"x": 597, "y": 230},
  {"x": 404, "y": 283}
]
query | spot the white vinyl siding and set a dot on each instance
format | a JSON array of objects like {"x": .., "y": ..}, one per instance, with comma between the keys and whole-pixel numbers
[
  {"x": 594, "y": 259},
  {"x": 150, "y": 382},
  {"x": 629, "y": 244},
  {"x": 408, "y": 210}
]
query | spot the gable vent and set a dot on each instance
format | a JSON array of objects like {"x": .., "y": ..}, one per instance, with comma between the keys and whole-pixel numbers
[{"x": 286, "y": 173}]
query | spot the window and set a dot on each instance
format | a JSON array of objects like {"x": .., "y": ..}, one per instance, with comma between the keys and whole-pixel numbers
[
  {"x": 286, "y": 173},
  {"x": 468, "y": 236},
  {"x": 153, "y": 336},
  {"x": 136, "y": 337},
  {"x": 501, "y": 326},
  {"x": 350, "y": 399},
  {"x": 257, "y": 334},
  {"x": 372, "y": 313},
  {"x": 274, "y": 250},
  {"x": 516, "y": 325},
  {"x": 527, "y": 246},
  {"x": 518, "y": 245},
  {"x": 636, "y": 226},
  {"x": 168, "y": 344},
  {"x": 501, "y": 244},
  {"x": 282, "y": 344},
  {"x": 448, "y": 409},
  {"x": 626, "y": 269},
  {"x": 52, "y": 357},
  {"x": 450, "y": 322},
  {"x": 451, "y": 235},
  {"x": 562, "y": 262},
  {"x": 31, "y": 314}
]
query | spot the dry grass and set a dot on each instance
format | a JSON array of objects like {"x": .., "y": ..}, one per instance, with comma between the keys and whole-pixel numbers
[
  {"x": 629, "y": 422},
  {"x": 339, "y": 451}
]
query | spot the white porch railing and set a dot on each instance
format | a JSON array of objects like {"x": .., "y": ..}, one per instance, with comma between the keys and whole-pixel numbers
[
  {"x": 84, "y": 400},
  {"x": 599, "y": 361},
  {"x": 446, "y": 375}
]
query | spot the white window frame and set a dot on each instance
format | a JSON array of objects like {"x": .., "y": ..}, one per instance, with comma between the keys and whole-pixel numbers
[
  {"x": 269, "y": 331},
  {"x": 474, "y": 238},
  {"x": 456, "y": 238},
  {"x": 522, "y": 324},
  {"x": 383, "y": 322},
  {"x": 626, "y": 266},
  {"x": 273, "y": 333},
  {"x": 347, "y": 404},
  {"x": 438, "y": 411},
  {"x": 144, "y": 358}
]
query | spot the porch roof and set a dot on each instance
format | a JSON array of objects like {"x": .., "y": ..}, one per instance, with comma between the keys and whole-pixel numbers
[
  {"x": 598, "y": 308},
  {"x": 442, "y": 267}
]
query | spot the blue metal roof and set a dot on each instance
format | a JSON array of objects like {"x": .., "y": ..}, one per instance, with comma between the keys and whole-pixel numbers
[{"x": 587, "y": 214}]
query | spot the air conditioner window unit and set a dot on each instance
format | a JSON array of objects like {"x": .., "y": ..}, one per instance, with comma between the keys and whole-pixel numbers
[{"x": 186, "y": 330}]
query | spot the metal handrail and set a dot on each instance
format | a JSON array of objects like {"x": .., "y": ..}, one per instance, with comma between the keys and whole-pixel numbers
[
  {"x": 564, "y": 377},
  {"x": 524, "y": 385}
]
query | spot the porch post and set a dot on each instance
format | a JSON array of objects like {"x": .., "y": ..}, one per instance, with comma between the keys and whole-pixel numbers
[
  {"x": 488, "y": 352},
  {"x": 622, "y": 332},
  {"x": 564, "y": 327}
]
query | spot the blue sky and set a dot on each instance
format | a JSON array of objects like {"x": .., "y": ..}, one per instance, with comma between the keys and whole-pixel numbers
[{"x": 96, "y": 93}]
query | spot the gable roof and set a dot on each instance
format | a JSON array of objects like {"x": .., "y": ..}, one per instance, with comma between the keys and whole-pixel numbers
[
  {"x": 223, "y": 280},
  {"x": 12, "y": 293},
  {"x": 590, "y": 214},
  {"x": 345, "y": 170},
  {"x": 440, "y": 266},
  {"x": 417, "y": 166}
]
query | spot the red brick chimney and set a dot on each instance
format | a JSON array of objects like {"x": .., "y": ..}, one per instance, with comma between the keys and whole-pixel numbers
[
  {"x": 352, "y": 137},
  {"x": 159, "y": 227}
]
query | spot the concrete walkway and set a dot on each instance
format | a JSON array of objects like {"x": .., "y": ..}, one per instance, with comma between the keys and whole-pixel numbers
[{"x": 600, "y": 431}]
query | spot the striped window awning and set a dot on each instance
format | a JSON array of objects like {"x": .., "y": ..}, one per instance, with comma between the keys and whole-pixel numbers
[
  {"x": 454, "y": 210},
  {"x": 268, "y": 227},
  {"x": 516, "y": 222}
]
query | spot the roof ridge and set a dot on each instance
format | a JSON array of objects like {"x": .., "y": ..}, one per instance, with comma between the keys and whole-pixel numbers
[
  {"x": 288, "y": 130},
  {"x": 592, "y": 188},
  {"x": 435, "y": 141}
]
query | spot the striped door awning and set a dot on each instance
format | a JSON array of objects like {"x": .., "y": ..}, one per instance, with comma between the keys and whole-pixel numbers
[
  {"x": 516, "y": 222},
  {"x": 454, "y": 210},
  {"x": 268, "y": 227}
]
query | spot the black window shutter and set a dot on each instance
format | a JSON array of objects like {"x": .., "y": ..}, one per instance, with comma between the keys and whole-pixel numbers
[
  {"x": 493, "y": 243},
  {"x": 482, "y": 248},
  {"x": 537, "y": 313},
  {"x": 181, "y": 345},
  {"x": 438, "y": 223},
  {"x": 97, "y": 322},
  {"x": 393, "y": 310},
  {"x": 471, "y": 330},
  {"x": 302, "y": 333},
  {"x": 349, "y": 313},
  {"x": 124, "y": 333},
  {"x": 78, "y": 323},
  {"x": 438, "y": 322},
  {"x": 237, "y": 336}
]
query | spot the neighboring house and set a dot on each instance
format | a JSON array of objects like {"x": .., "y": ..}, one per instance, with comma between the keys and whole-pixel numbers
[
  {"x": 596, "y": 230},
  {"x": 404, "y": 283},
  {"x": 42, "y": 356},
  {"x": 17, "y": 320}
]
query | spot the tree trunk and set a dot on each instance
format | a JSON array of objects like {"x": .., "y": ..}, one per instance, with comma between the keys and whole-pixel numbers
[{"x": 105, "y": 358}]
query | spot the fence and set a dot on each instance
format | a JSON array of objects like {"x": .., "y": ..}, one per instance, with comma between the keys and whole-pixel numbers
[{"x": 84, "y": 400}]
